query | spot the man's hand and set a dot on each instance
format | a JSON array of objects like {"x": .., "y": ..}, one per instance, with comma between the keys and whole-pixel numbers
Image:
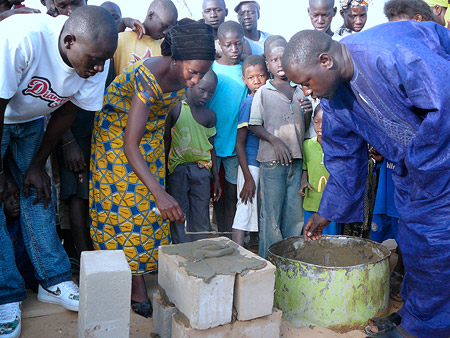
[
  {"x": 282, "y": 151},
  {"x": 25, "y": 10},
  {"x": 306, "y": 106},
  {"x": 37, "y": 177},
  {"x": 135, "y": 25},
  {"x": 248, "y": 191},
  {"x": 374, "y": 154},
  {"x": 314, "y": 227},
  {"x": 304, "y": 184},
  {"x": 302, "y": 191},
  {"x": 217, "y": 190},
  {"x": 73, "y": 156},
  {"x": 3, "y": 104}
]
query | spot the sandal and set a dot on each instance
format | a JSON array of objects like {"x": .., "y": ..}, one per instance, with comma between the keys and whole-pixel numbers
[
  {"x": 143, "y": 309},
  {"x": 396, "y": 286},
  {"x": 392, "y": 333},
  {"x": 383, "y": 324}
]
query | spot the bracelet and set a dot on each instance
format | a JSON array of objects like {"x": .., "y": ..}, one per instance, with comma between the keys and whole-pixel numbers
[{"x": 65, "y": 144}]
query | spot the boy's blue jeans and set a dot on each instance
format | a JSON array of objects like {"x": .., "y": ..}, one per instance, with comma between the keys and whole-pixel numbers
[
  {"x": 281, "y": 205},
  {"x": 190, "y": 186},
  {"x": 38, "y": 225}
]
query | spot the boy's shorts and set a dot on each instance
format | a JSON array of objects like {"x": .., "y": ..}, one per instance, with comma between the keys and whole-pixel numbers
[
  {"x": 246, "y": 217},
  {"x": 230, "y": 164}
]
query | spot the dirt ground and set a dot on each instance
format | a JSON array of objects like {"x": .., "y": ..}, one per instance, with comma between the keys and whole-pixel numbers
[{"x": 41, "y": 320}]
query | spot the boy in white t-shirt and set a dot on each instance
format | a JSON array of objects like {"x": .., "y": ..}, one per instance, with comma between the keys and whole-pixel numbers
[{"x": 47, "y": 65}]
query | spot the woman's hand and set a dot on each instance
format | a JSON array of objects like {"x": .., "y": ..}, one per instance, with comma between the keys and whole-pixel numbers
[{"x": 168, "y": 207}]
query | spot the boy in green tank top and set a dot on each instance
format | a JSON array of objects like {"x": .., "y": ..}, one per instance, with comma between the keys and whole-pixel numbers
[
  {"x": 315, "y": 175},
  {"x": 189, "y": 144}
]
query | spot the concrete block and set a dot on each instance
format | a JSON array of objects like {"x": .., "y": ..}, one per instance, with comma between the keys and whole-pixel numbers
[
  {"x": 205, "y": 305},
  {"x": 163, "y": 311},
  {"x": 105, "y": 295},
  {"x": 254, "y": 291},
  {"x": 267, "y": 327}
]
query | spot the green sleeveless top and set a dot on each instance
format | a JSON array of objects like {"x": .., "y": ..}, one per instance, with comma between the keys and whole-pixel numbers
[{"x": 190, "y": 141}]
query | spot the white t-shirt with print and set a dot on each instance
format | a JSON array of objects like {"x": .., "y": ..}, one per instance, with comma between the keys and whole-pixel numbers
[{"x": 33, "y": 74}]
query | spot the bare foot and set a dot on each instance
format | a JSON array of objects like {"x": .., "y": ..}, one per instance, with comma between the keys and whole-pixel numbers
[
  {"x": 372, "y": 326},
  {"x": 138, "y": 288},
  {"x": 383, "y": 323}
]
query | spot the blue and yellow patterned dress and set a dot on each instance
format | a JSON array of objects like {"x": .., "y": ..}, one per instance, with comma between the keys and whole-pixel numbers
[{"x": 120, "y": 204}]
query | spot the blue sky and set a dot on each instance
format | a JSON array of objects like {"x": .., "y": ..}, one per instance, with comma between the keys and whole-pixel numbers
[{"x": 284, "y": 17}]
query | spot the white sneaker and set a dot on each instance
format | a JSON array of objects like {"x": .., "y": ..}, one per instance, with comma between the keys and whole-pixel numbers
[
  {"x": 10, "y": 320},
  {"x": 64, "y": 294}
]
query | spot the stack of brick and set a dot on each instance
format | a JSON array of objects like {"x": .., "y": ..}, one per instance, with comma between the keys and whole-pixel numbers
[{"x": 187, "y": 306}]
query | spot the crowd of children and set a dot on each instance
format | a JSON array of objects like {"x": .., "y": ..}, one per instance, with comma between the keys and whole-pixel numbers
[{"x": 242, "y": 135}]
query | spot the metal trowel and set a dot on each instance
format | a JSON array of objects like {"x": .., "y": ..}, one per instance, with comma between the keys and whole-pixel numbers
[{"x": 212, "y": 232}]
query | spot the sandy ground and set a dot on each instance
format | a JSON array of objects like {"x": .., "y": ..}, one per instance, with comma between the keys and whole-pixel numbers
[{"x": 50, "y": 321}]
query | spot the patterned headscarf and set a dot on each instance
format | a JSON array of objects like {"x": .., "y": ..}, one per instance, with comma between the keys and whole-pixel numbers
[{"x": 346, "y": 4}]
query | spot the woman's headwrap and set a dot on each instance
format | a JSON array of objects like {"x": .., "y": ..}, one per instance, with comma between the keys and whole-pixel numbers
[
  {"x": 189, "y": 41},
  {"x": 432, "y": 3},
  {"x": 346, "y": 4}
]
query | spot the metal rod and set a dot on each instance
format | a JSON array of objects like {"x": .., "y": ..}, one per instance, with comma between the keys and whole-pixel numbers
[{"x": 186, "y": 232}]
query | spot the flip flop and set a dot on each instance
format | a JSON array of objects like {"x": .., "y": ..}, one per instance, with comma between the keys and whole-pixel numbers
[
  {"x": 383, "y": 323},
  {"x": 144, "y": 308},
  {"x": 392, "y": 333}
]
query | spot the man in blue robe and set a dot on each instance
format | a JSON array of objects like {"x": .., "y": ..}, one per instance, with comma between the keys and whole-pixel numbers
[{"x": 388, "y": 86}]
